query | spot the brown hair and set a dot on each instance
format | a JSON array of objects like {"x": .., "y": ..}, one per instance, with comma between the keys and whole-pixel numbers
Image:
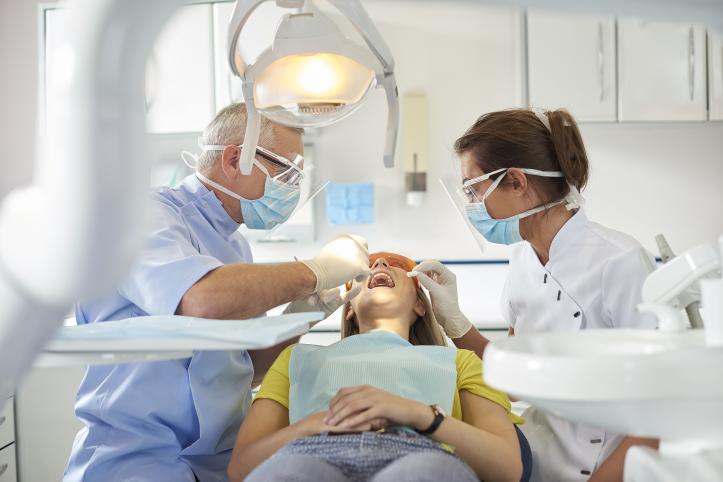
[
  {"x": 424, "y": 331},
  {"x": 518, "y": 138}
]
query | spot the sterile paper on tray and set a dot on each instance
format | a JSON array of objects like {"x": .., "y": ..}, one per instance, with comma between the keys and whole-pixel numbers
[{"x": 174, "y": 333}]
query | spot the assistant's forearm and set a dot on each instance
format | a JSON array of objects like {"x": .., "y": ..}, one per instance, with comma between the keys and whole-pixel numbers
[
  {"x": 246, "y": 458},
  {"x": 240, "y": 291},
  {"x": 491, "y": 457},
  {"x": 611, "y": 469},
  {"x": 473, "y": 341}
]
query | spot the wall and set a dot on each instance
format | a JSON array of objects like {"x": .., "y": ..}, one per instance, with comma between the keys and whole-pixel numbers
[{"x": 646, "y": 178}]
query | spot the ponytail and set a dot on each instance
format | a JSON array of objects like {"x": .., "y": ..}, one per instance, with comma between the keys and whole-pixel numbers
[{"x": 569, "y": 148}]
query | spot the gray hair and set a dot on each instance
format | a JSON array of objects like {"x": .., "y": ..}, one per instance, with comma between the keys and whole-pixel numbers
[{"x": 228, "y": 128}]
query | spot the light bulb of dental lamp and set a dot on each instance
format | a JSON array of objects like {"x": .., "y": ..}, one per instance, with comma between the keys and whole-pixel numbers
[{"x": 312, "y": 90}]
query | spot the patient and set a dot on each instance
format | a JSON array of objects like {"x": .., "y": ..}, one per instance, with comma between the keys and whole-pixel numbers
[{"x": 372, "y": 406}]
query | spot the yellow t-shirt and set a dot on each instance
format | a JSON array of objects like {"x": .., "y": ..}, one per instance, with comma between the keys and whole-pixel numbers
[{"x": 275, "y": 385}]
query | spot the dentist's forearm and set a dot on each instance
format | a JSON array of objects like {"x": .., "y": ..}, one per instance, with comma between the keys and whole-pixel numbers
[
  {"x": 241, "y": 291},
  {"x": 472, "y": 341}
]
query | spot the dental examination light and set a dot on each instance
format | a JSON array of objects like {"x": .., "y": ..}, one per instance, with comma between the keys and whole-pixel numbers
[{"x": 312, "y": 75}]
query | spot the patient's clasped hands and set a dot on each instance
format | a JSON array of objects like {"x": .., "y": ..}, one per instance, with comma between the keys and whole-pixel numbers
[{"x": 366, "y": 408}]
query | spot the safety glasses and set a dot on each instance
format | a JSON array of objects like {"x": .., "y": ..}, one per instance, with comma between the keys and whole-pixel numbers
[
  {"x": 474, "y": 197},
  {"x": 286, "y": 171},
  {"x": 394, "y": 260}
]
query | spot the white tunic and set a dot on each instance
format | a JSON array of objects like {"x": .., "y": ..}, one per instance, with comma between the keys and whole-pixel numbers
[{"x": 593, "y": 280}]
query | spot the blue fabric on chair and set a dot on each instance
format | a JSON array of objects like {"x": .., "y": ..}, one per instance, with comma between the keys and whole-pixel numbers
[{"x": 526, "y": 453}]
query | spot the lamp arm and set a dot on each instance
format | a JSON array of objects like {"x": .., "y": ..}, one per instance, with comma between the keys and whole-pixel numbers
[
  {"x": 353, "y": 10},
  {"x": 241, "y": 13}
]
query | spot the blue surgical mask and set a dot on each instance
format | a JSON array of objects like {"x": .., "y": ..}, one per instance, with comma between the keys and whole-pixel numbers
[
  {"x": 273, "y": 208},
  {"x": 507, "y": 230}
]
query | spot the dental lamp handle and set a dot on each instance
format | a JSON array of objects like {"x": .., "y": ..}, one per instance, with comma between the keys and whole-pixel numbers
[
  {"x": 242, "y": 10},
  {"x": 390, "y": 143},
  {"x": 253, "y": 130}
]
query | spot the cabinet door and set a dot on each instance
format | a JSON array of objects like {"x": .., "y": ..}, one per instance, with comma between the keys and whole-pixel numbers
[
  {"x": 8, "y": 467},
  {"x": 571, "y": 64},
  {"x": 662, "y": 71},
  {"x": 715, "y": 75},
  {"x": 256, "y": 36},
  {"x": 179, "y": 83}
]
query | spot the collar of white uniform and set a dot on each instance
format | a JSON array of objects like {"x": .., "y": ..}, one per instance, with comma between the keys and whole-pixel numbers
[
  {"x": 210, "y": 206},
  {"x": 567, "y": 235}
]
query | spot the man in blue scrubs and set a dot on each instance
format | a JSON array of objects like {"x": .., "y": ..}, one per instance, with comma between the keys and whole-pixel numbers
[{"x": 177, "y": 420}]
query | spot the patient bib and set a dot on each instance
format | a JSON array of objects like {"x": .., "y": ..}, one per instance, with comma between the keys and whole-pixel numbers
[{"x": 424, "y": 373}]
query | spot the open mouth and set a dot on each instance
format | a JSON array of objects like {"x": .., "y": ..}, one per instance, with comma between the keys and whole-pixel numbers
[{"x": 380, "y": 279}]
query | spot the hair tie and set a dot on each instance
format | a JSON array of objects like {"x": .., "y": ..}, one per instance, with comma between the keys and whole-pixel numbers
[{"x": 543, "y": 118}]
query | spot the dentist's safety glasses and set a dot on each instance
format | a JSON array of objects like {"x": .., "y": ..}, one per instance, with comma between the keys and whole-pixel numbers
[
  {"x": 277, "y": 167},
  {"x": 394, "y": 260}
]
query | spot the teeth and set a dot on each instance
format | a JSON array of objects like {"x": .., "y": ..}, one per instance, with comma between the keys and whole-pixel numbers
[{"x": 381, "y": 279}]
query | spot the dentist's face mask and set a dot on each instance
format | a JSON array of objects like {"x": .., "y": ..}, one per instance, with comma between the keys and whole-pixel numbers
[
  {"x": 281, "y": 190},
  {"x": 507, "y": 230}
]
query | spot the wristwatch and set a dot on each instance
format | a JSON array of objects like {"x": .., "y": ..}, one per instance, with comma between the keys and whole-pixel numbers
[{"x": 438, "y": 417}]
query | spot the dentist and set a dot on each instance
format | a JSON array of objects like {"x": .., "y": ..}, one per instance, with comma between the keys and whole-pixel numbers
[
  {"x": 177, "y": 420},
  {"x": 523, "y": 171}
]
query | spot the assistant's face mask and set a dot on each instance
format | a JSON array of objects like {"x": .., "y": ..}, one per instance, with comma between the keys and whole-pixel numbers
[
  {"x": 507, "y": 230},
  {"x": 274, "y": 207}
]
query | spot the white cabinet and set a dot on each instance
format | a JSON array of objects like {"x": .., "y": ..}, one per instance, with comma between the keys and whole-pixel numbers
[
  {"x": 571, "y": 64},
  {"x": 179, "y": 73},
  {"x": 8, "y": 464},
  {"x": 256, "y": 36},
  {"x": 8, "y": 470},
  {"x": 661, "y": 71},
  {"x": 715, "y": 75}
]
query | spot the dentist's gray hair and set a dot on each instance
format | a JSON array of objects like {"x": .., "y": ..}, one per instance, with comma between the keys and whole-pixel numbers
[{"x": 227, "y": 128}]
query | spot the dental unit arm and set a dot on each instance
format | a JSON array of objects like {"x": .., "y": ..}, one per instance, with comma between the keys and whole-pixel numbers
[
  {"x": 75, "y": 229},
  {"x": 306, "y": 33},
  {"x": 676, "y": 284}
]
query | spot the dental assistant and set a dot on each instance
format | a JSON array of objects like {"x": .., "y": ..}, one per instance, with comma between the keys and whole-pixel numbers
[
  {"x": 177, "y": 420},
  {"x": 522, "y": 174}
]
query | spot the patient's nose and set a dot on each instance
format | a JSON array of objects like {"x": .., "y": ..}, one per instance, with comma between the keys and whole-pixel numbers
[{"x": 380, "y": 262}]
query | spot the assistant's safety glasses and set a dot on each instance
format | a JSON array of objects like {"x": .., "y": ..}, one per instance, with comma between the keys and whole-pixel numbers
[{"x": 394, "y": 260}]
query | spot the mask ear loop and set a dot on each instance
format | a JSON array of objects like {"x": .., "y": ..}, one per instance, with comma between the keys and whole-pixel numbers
[{"x": 186, "y": 155}]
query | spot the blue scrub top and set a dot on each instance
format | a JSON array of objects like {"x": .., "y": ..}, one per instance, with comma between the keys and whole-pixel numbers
[{"x": 168, "y": 420}]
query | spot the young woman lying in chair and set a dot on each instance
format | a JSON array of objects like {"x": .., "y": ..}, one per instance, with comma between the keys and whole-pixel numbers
[{"x": 373, "y": 406}]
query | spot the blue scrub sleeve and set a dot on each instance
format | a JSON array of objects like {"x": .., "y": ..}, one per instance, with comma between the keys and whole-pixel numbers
[{"x": 168, "y": 266}]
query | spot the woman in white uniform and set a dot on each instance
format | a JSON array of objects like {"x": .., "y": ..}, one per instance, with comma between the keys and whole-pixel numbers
[{"x": 523, "y": 171}]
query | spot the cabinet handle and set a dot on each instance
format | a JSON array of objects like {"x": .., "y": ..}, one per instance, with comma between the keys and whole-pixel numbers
[
  {"x": 4, "y": 468},
  {"x": 2, "y": 420},
  {"x": 601, "y": 60},
  {"x": 691, "y": 63}
]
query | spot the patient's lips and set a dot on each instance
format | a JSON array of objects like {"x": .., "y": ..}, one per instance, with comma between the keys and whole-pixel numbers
[{"x": 380, "y": 278}]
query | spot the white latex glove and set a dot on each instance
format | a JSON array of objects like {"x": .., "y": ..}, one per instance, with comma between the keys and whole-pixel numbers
[
  {"x": 327, "y": 301},
  {"x": 442, "y": 286},
  {"x": 344, "y": 259}
]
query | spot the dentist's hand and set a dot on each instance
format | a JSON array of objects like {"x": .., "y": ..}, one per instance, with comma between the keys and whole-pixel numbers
[
  {"x": 442, "y": 286},
  {"x": 343, "y": 259},
  {"x": 327, "y": 301}
]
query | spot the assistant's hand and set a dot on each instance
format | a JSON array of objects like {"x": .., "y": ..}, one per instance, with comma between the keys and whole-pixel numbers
[
  {"x": 344, "y": 259},
  {"x": 363, "y": 405},
  {"x": 326, "y": 301},
  {"x": 442, "y": 286}
]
